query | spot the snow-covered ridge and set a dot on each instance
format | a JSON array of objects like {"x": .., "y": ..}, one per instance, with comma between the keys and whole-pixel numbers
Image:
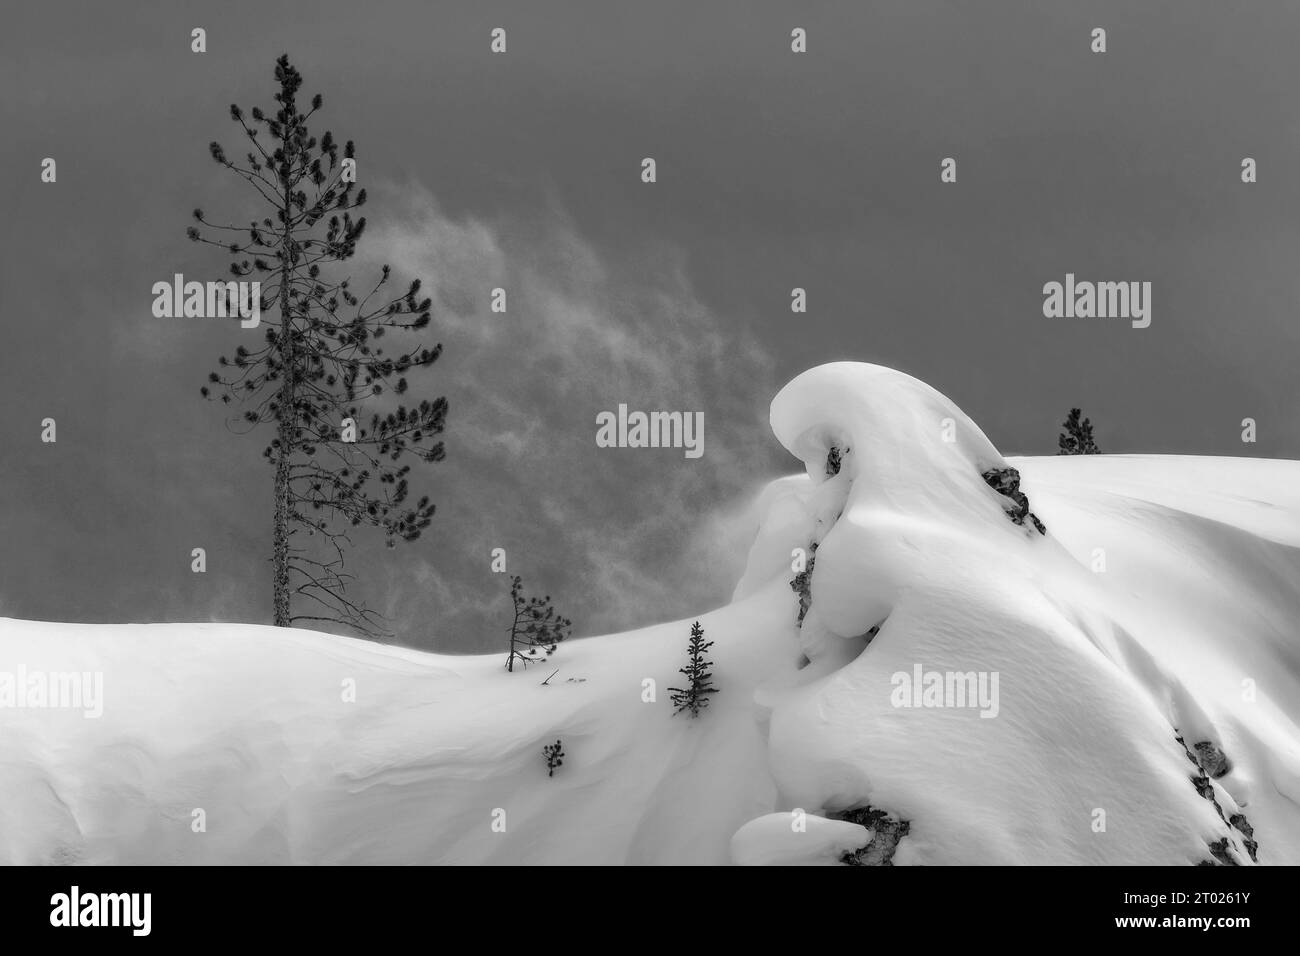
[
  {"x": 1161, "y": 603},
  {"x": 1095, "y": 681}
]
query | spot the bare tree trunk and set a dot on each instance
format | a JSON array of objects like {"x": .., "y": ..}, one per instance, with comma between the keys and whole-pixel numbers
[
  {"x": 514, "y": 631},
  {"x": 285, "y": 431}
]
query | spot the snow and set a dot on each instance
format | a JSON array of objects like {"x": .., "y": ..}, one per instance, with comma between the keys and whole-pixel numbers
[
  {"x": 1188, "y": 628},
  {"x": 796, "y": 839}
]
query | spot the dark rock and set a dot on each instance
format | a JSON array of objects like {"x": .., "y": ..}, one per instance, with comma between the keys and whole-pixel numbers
[
  {"x": 1219, "y": 850},
  {"x": 802, "y": 584},
  {"x": 887, "y": 831},
  {"x": 1211, "y": 759},
  {"x": 833, "y": 462},
  {"x": 1006, "y": 482},
  {"x": 1243, "y": 826},
  {"x": 1206, "y": 789}
]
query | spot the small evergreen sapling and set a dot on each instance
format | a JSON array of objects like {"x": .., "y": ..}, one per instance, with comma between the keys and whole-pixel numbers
[
  {"x": 1077, "y": 437},
  {"x": 554, "y": 757},
  {"x": 536, "y": 626},
  {"x": 694, "y": 697}
]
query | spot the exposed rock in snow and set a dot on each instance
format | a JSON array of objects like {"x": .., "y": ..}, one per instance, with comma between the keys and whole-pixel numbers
[
  {"x": 886, "y": 831},
  {"x": 1006, "y": 482},
  {"x": 1242, "y": 825},
  {"x": 833, "y": 462},
  {"x": 801, "y": 584},
  {"x": 1219, "y": 850},
  {"x": 1210, "y": 762},
  {"x": 1210, "y": 758}
]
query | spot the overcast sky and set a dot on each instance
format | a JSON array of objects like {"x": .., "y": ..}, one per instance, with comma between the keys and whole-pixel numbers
[{"x": 775, "y": 170}]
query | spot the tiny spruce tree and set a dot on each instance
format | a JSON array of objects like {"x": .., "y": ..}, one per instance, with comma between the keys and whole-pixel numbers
[
  {"x": 1077, "y": 437},
  {"x": 694, "y": 697},
  {"x": 554, "y": 755}
]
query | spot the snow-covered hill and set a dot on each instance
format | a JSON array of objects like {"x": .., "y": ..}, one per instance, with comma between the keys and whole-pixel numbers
[{"x": 1159, "y": 611}]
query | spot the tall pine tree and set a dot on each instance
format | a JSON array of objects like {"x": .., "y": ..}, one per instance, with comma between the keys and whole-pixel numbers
[
  {"x": 320, "y": 371},
  {"x": 1077, "y": 437}
]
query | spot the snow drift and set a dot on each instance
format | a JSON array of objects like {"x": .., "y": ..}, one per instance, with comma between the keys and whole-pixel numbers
[{"x": 1120, "y": 688}]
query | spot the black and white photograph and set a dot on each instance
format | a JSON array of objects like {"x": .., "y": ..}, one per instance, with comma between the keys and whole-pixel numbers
[{"x": 628, "y": 434}]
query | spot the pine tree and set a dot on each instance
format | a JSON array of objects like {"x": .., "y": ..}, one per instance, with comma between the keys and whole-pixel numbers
[
  {"x": 536, "y": 626},
  {"x": 554, "y": 755},
  {"x": 1077, "y": 437},
  {"x": 318, "y": 369},
  {"x": 695, "y": 696}
]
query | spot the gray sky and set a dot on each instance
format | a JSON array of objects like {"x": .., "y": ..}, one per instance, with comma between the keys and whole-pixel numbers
[{"x": 775, "y": 170}]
